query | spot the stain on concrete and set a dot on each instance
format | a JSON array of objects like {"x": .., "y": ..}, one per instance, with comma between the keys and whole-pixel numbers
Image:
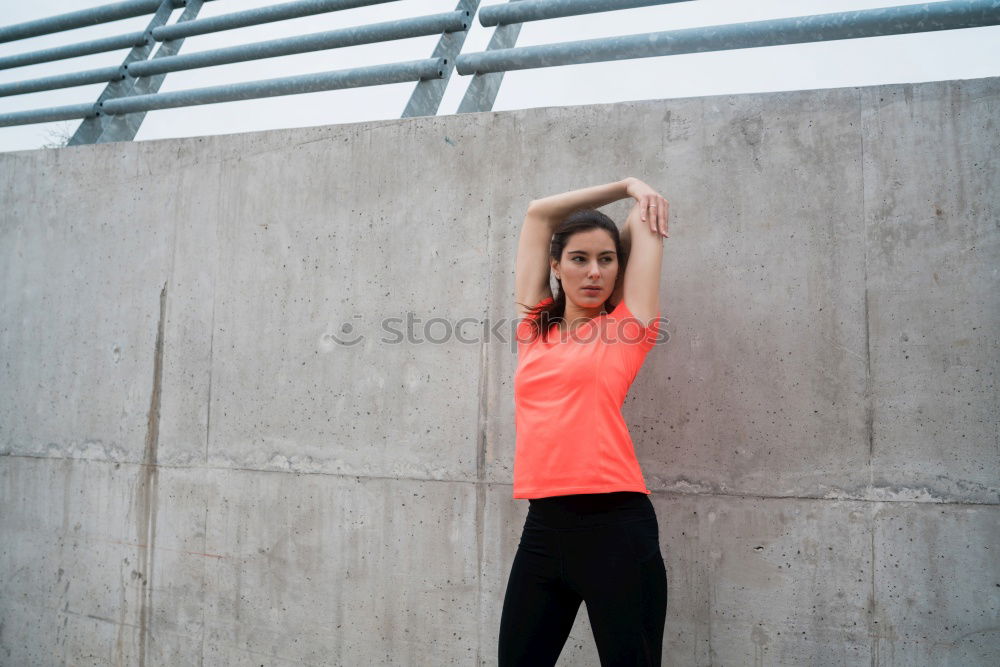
[
  {"x": 751, "y": 128},
  {"x": 145, "y": 493},
  {"x": 760, "y": 640}
]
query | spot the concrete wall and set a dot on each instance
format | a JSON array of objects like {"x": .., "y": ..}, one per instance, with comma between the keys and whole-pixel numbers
[{"x": 195, "y": 471}]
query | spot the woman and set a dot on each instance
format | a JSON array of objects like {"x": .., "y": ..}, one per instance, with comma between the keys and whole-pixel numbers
[{"x": 591, "y": 532}]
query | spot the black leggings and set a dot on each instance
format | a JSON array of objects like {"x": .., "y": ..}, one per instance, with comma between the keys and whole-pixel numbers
[{"x": 602, "y": 548}]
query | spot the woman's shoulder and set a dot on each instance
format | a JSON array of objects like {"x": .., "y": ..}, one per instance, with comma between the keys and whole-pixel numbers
[
  {"x": 629, "y": 330},
  {"x": 622, "y": 312}
]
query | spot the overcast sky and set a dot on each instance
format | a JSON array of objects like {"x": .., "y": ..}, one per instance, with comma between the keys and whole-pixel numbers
[{"x": 950, "y": 54}]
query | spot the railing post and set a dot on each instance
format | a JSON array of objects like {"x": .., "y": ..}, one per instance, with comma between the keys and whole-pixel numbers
[
  {"x": 426, "y": 97},
  {"x": 126, "y": 126},
  {"x": 483, "y": 89},
  {"x": 90, "y": 129},
  {"x": 103, "y": 128}
]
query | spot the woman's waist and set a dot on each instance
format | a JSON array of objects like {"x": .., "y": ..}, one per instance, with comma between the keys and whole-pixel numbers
[{"x": 581, "y": 510}]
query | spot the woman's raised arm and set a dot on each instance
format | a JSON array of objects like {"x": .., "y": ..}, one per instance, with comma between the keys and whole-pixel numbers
[
  {"x": 648, "y": 225},
  {"x": 557, "y": 207}
]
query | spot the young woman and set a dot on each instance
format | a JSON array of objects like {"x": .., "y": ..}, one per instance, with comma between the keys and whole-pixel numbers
[{"x": 591, "y": 533}]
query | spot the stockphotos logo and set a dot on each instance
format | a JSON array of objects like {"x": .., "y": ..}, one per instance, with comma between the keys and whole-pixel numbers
[{"x": 411, "y": 329}]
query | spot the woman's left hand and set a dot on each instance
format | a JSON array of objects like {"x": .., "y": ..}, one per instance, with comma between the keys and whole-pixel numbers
[{"x": 653, "y": 208}]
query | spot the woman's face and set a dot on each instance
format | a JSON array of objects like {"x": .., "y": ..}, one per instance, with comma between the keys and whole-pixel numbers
[{"x": 589, "y": 259}]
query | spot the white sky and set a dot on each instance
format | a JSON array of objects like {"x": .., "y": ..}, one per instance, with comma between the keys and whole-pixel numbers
[{"x": 951, "y": 54}]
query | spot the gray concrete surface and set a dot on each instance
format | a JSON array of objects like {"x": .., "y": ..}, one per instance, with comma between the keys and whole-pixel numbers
[{"x": 194, "y": 471}]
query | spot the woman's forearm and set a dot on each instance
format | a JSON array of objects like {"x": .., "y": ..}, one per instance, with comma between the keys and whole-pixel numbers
[{"x": 556, "y": 207}]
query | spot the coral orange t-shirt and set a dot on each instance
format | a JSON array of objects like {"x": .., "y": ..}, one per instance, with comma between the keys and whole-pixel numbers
[{"x": 568, "y": 394}]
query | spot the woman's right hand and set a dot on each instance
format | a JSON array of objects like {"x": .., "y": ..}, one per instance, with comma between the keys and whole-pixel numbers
[{"x": 649, "y": 200}]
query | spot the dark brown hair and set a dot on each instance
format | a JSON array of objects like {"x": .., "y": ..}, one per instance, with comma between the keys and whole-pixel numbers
[{"x": 544, "y": 315}]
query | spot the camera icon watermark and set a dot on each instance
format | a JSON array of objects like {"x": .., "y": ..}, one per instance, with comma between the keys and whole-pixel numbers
[{"x": 346, "y": 334}]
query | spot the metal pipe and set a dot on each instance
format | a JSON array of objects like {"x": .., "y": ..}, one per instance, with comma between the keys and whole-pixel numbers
[
  {"x": 288, "y": 10},
  {"x": 367, "y": 34},
  {"x": 122, "y": 10},
  {"x": 48, "y": 115},
  {"x": 100, "y": 75},
  {"x": 74, "y": 50},
  {"x": 897, "y": 20},
  {"x": 79, "y": 19},
  {"x": 535, "y": 10},
  {"x": 423, "y": 25},
  {"x": 429, "y": 68}
]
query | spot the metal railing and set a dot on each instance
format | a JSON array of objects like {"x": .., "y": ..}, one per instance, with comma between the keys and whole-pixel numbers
[
  {"x": 132, "y": 88},
  {"x": 795, "y": 30}
]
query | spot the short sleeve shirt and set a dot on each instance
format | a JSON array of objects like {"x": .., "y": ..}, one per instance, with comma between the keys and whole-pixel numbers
[{"x": 568, "y": 394}]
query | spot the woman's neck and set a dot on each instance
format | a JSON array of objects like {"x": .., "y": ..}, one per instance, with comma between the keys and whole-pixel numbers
[{"x": 576, "y": 316}]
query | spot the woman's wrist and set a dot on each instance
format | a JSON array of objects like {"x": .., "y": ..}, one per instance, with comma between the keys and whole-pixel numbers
[{"x": 632, "y": 187}]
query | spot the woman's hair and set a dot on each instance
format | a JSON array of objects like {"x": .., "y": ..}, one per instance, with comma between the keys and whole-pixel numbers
[{"x": 544, "y": 315}]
